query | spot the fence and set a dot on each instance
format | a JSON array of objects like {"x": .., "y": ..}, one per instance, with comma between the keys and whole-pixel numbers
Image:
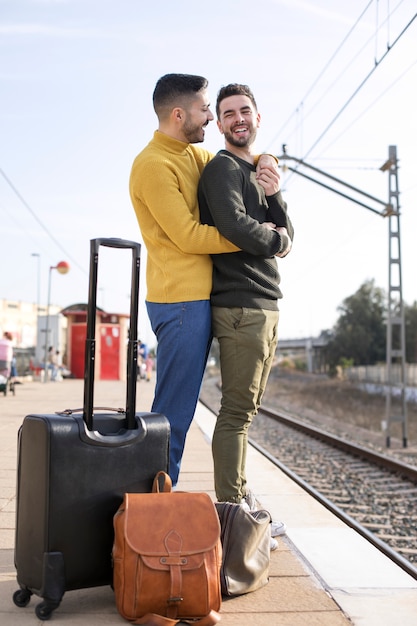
[{"x": 378, "y": 374}]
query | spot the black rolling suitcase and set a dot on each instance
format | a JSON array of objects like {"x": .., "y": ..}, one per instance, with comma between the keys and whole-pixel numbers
[{"x": 73, "y": 470}]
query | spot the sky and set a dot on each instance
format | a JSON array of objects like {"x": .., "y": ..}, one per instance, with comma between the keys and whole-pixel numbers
[{"x": 336, "y": 82}]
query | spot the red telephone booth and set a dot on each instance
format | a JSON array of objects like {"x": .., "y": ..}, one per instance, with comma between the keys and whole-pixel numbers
[
  {"x": 76, "y": 349},
  {"x": 110, "y": 351},
  {"x": 111, "y": 342}
]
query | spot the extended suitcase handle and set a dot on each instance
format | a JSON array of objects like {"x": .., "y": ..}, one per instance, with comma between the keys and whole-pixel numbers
[
  {"x": 90, "y": 343},
  {"x": 114, "y": 242}
]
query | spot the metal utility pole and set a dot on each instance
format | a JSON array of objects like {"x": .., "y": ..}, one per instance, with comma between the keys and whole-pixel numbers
[
  {"x": 396, "y": 356},
  {"x": 395, "y": 352}
]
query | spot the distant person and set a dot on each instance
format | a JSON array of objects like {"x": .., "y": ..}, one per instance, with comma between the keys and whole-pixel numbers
[
  {"x": 6, "y": 354},
  {"x": 149, "y": 367},
  {"x": 52, "y": 364},
  {"x": 141, "y": 364},
  {"x": 249, "y": 211},
  {"x": 13, "y": 369},
  {"x": 59, "y": 366},
  {"x": 163, "y": 189}
]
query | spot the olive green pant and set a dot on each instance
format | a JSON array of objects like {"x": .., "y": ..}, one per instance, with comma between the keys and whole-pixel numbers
[{"x": 247, "y": 340}]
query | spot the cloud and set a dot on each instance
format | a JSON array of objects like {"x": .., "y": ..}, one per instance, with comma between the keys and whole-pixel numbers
[
  {"x": 46, "y": 30},
  {"x": 333, "y": 14}
]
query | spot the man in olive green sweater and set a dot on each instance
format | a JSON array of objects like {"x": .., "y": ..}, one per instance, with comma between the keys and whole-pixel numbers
[{"x": 245, "y": 289}]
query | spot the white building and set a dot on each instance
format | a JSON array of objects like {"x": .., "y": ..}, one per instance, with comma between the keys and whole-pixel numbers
[{"x": 27, "y": 326}]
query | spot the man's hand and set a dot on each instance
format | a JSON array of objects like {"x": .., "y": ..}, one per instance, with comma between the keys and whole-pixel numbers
[
  {"x": 267, "y": 160},
  {"x": 283, "y": 231},
  {"x": 267, "y": 174}
]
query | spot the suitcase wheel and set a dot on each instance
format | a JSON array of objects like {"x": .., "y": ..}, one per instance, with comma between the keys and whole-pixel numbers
[
  {"x": 44, "y": 610},
  {"x": 21, "y": 597}
]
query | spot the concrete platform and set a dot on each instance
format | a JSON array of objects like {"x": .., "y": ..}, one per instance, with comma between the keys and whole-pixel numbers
[{"x": 323, "y": 573}]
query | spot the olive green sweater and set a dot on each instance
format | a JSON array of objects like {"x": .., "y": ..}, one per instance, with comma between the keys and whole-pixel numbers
[
  {"x": 230, "y": 198},
  {"x": 163, "y": 189}
]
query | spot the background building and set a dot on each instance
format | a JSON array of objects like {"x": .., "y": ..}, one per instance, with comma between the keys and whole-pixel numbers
[{"x": 66, "y": 334}]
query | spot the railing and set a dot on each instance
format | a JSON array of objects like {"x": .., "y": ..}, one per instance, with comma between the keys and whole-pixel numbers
[{"x": 376, "y": 375}]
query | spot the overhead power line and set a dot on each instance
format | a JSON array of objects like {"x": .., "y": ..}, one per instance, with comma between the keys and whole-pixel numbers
[
  {"x": 373, "y": 103},
  {"x": 300, "y": 107},
  {"x": 41, "y": 224},
  {"x": 357, "y": 90},
  {"x": 321, "y": 74}
]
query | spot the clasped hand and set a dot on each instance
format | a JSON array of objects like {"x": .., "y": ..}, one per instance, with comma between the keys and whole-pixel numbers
[
  {"x": 284, "y": 233},
  {"x": 267, "y": 174}
]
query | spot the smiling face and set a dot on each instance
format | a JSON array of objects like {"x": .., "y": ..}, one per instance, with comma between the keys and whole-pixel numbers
[
  {"x": 238, "y": 121},
  {"x": 196, "y": 117}
]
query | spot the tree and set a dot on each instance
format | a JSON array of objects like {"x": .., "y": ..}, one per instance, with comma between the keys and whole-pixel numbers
[{"x": 359, "y": 334}]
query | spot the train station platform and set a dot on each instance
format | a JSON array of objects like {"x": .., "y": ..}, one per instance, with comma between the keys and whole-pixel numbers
[{"x": 323, "y": 573}]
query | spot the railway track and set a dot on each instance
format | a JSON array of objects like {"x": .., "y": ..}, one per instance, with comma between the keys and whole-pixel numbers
[{"x": 372, "y": 493}]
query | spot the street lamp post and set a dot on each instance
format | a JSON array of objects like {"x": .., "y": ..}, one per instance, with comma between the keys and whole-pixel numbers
[
  {"x": 62, "y": 268},
  {"x": 38, "y": 288},
  {"x": 38, "y": 291}
]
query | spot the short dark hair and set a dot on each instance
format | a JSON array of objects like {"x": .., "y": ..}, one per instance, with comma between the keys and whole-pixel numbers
[
  {"x": 234, "y": 89},
  {"x": 174, "y": 89}
]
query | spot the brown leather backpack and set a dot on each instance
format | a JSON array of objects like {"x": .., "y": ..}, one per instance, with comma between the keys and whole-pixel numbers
[{"x": 167, "y": 557}]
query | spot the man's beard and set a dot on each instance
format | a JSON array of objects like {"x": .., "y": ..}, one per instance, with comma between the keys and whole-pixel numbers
[
  {"x": 240, "y": 142},
  {"x": 192, "y": 132}
]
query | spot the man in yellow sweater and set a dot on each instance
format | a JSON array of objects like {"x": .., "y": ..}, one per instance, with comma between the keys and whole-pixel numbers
[{"x": 163, "y": 189}]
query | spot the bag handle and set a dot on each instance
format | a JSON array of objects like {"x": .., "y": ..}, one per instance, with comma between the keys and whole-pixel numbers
[
  {"x": 162, "y": 483},
  {"x": 152, "y": 619},
  {"x": 68, "y": 412}
]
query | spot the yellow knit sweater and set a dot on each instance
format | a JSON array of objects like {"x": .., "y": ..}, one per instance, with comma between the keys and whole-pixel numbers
[{"x": 163, "y": 189}]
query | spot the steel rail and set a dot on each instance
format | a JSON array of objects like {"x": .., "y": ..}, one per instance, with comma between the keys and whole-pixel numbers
[
  {"x": 388, "y": 463},
  {"x": 333, "y": 508},
  {"x": 359, "y": 451}
]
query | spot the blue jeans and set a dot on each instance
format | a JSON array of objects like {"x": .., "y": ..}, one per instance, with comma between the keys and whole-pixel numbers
[{"x": 183, "y": 332}]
